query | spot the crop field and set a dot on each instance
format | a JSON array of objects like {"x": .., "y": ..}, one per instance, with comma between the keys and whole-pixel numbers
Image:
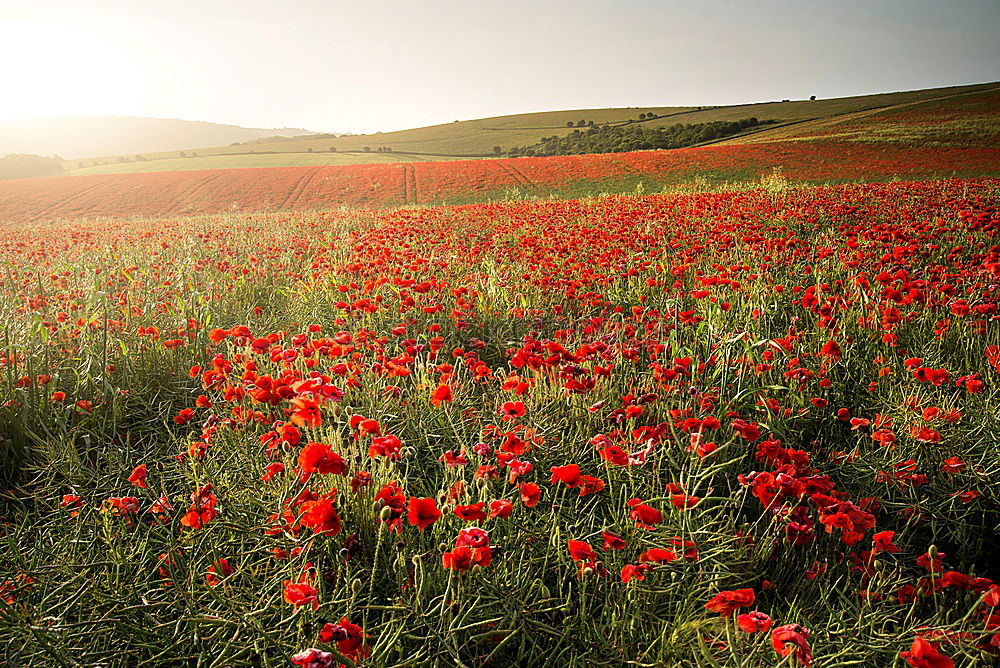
[
  {"x": 747, "y": 428},
  {"x": 316, "y": 188}
]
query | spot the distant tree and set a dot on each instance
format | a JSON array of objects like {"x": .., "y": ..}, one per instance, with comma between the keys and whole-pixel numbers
[
  {"x": 194, "y": 154},
  {"x": 590, "y": 123},
  {"x": 367, "y": 149},
  {"x": 121, "y": 158},
  {"x": 569, "y": 124},
  {"x": 581, "y": 123},
  {"x": 139, "y": 158},
  {"x": 642, "y": 117},
  {"x": 309, "y": 150},
  {"x": 80, "y": 165},
  {"x": 183, "y": 154},
  {"x": 497, "y": 150},
  {"x": 812, "y": 97},
  {"x": 21, "y": 165},
  {"x": 333, "y": 149}
]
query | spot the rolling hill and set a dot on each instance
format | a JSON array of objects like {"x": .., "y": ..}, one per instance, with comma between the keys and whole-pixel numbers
[
  {"x": 75, "y": 137},
  {"x": 478, "y": 138}
]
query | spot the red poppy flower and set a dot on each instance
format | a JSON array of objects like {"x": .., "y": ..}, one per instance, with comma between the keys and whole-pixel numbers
[
  {"x": 530, "y": 494},
  {"x": 569, "y": 475},
  {"x": 635, "y": 572},
  {"x": 792, "y": 638},
  {"x": 883, "y": 542},
  {"x": 301, "y": 593},
  {"x": 501, "y": 508},
  {"x": 657, "y": 555},
  {"x": 646, "y": 517},
  {"x": 753, "y": 622},
  {"x": 442, "y": 395},
  {"x": 463, "y": 557},
  {"x": 320, "y": 458},
  {"x": 321, "y": 516},
  {"x": 138, "y": 477},
  {"x": 726, "y": 602},
  {"x": 581, "y": 550},
  {"x": 422, "y": 512},
  {"x": 472, "y": 513},
  {"x": 613, "y": 541},
  {"x": 350, "y": 638},
  {"x": 306, "y": 413}
]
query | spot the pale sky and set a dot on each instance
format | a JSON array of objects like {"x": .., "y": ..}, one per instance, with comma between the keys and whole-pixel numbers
[{"x": 365, "y": 66}]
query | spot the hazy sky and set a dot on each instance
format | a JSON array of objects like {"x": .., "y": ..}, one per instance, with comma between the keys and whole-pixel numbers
[{"x": 363, "y": 66}]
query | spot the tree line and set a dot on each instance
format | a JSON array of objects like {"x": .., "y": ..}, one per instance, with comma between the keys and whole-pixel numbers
[
  {"x": 634, "y": 137},
  {"x": 24, "y": 165}
]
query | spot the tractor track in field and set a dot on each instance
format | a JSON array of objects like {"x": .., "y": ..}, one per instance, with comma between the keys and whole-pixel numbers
[
  {"x": 519, "y": 176},
  {"x": 302, "y": 185},
  {"x": 190, "y": 195},
  {"x": 409, "y": 184},
  {"x": 54, "y": 207},
  {"x": 294, "y": 189}
]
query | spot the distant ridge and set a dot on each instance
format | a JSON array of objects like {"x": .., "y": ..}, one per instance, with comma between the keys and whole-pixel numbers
[{"x": 82, "y": 136}]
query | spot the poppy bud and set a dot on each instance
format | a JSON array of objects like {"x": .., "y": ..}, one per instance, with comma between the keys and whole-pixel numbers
[
  {"x": 385, "y": 514},
  {"x": 159, "y": 467},
  {"x": 378, "y": 505},
  {"x": 482, "y": 483},
  {"x": 932, "y": 551},
  {"x": 344, "y": 553},
  {"x": 336, "y": 410},
  {"x": 355, "y": 585},
  {"x": 443, "y": 547}
]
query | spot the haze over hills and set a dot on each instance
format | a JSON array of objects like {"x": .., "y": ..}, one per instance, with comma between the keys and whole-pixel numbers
[
  {"x": 481, "y": 138},
  {"x": 83, "y": 136}
]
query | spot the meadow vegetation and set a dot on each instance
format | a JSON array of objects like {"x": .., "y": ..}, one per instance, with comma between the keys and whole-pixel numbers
[{"x": 743, "y": 428}]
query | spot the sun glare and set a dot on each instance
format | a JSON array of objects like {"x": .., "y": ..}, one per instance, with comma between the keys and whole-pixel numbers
[{"x": 54, "y": 69}]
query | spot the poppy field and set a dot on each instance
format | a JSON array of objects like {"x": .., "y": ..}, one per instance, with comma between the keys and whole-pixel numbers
[
  {"x": 746, "y": 428},
  {"x": 248, "y": 190}
]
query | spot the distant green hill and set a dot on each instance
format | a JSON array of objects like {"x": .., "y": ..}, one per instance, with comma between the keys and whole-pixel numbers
[{"x": 483, "y": 138}]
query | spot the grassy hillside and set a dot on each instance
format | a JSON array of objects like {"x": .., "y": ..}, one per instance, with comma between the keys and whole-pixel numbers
[
  {"x": 477, "y": 138},
  {"x": 74, "y": 137},
  {"x": 961, "y": 119}
]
